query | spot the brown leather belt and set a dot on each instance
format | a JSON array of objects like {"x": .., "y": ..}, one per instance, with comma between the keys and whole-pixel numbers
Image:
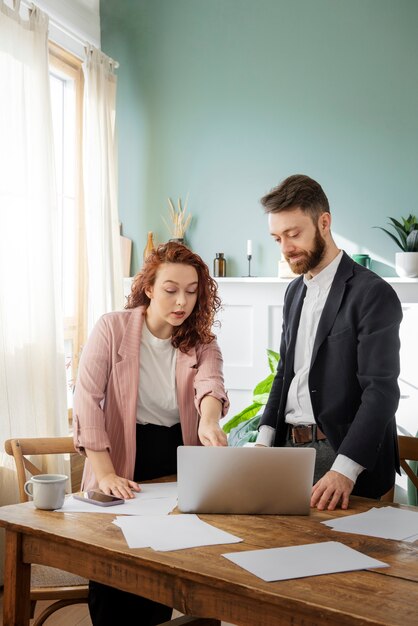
[{"x": 305, "y": 434}]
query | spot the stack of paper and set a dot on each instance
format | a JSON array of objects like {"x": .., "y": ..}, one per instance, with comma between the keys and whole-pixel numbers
[
  {"x": 171, "y": 532},
  {"x": 387, "y": 522}
]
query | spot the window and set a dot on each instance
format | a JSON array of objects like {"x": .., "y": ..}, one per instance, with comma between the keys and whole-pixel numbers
[{"x": 66, "y": 80}]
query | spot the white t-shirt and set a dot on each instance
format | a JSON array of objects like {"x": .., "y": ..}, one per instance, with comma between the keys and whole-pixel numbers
[{"x": 157, "y": 398}]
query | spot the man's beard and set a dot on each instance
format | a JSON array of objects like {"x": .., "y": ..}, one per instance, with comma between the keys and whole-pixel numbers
[{"x": 310, "y": 258}]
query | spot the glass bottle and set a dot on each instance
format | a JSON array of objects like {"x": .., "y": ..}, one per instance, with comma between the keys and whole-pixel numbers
[
  {"x": 219, "y": 265},
  {"x": 150, "y": 245}
]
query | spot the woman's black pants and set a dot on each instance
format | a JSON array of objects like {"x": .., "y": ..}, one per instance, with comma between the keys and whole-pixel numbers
[{"x": 156, "y": 456}]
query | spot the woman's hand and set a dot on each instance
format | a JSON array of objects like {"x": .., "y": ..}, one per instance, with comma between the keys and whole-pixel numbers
[
  {"x": 107, "y": 479},
  {"x": 118, "y": 486},
  {"x": 209, "y": 432}
]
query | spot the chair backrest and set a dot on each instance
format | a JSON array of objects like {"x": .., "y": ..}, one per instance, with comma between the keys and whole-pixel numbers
[
  {"x": 408, "y": 451},
  {"x": 22, "y": 448}
]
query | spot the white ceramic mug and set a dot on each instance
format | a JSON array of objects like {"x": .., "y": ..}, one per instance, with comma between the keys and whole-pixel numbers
[{"x": 47, "y": 490}]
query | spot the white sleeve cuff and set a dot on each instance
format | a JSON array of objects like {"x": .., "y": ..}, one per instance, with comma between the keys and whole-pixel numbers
[
  {"x": 266, "y": 436},
  {"x": 347, "y": 467}
]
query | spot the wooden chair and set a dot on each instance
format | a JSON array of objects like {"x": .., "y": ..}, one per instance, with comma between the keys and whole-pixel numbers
[
  {"x": 408, "y": 451},
  {"x": 47, "y": 583}
]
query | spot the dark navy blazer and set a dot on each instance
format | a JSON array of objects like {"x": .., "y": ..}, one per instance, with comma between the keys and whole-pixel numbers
[{"x": 353, "y": 378}]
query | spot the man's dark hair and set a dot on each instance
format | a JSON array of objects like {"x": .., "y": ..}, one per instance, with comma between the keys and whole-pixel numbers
[{"x": 297, "y": 191}]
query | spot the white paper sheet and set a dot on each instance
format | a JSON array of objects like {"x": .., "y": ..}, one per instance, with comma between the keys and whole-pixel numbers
[
  {"x": 142, "y": 504},
  {"x": 158, "y": 490},
  {"x": 386, "y": 522},
  {"x": 172, "y": 532},
  {"x": 300, "y": 561}
]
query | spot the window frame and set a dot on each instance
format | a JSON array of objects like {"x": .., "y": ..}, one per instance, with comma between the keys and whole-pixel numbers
[{"x": 75, "y": 328}]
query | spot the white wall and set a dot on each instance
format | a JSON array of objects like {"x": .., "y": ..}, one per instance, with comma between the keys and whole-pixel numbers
[
  {"x": 73, "y": 17},
  {"x": 72, "y": 23}
]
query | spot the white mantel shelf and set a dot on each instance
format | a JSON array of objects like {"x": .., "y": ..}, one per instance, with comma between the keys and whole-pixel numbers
[
  {"x": 274, "y": 279},
  {"x": 406, "y": 288}
]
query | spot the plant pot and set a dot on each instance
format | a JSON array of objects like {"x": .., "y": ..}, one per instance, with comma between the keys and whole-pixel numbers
[
  {"x": 406, "y": 264},
  {"x": 177, "y": 240}
]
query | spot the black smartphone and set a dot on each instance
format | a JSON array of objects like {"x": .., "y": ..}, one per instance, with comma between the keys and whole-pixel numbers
[{"x": 98, "y": 497}]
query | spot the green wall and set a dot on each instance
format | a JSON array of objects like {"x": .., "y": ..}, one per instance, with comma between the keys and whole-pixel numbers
[{"x": 221, "y": 99}]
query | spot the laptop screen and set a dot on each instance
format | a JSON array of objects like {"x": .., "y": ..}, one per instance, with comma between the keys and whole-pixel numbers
[{"x": 245, "y": 480}]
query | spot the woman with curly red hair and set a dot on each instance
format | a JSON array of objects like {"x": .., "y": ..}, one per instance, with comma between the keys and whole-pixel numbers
[{"x": 150, "y": 379}]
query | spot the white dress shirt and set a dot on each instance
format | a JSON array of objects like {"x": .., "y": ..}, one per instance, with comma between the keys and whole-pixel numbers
[{"x": 298, "y": 410}]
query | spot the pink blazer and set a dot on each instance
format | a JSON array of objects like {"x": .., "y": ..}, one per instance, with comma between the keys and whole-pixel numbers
[{"x": 106, "y": 392}]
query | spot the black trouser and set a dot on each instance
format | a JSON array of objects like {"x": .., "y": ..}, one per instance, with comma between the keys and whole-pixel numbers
[
  {"x": 156, "y": 456},
  {"x": 325, "y": 455}
]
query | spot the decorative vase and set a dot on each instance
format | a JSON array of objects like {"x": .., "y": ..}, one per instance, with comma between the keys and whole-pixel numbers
[
  {"x": 150, "y": 246},
  {"x": 177, "y": 240},
  {"x": 406, "y": 264}
]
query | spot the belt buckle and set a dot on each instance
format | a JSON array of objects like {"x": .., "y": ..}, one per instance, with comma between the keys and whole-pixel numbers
[
  {"x": 306, "y": 431},
  {"x": 313, "y": 433},
  {"x": 296, "y": 429}
]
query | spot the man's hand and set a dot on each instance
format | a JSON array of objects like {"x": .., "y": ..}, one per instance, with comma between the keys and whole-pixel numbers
[{"x": 330, "y": 490}]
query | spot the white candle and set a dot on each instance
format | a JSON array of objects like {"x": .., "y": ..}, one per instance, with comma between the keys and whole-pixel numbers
[{"x": 249, "y": 247}]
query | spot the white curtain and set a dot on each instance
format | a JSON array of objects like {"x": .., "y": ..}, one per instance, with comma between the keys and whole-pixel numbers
[
  {"x": 32, "y": 365},
  {"x": 105, "y": 274}
]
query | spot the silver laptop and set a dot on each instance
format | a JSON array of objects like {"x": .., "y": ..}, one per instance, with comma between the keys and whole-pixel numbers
[{"x": 248, "y": 480}]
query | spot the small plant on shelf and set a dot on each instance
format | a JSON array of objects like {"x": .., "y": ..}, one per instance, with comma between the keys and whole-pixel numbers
[
  {"x": 179, "y": 220},
  {"x": 406, "y": 231}
]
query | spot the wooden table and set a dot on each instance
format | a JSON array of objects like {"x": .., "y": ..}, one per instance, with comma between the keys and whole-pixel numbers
[{"x": 201, "y": 582}]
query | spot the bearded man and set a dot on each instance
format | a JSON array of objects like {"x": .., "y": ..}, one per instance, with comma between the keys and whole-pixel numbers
[{"x": 336, "y": 386}]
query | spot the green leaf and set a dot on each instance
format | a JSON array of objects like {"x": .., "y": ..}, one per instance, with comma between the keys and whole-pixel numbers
[
  {"x": 412, "y": 242},
  {"x": 409, "y": 223},
  {"x": 402, "y": 235},
  {"x": 260, "y": 395},
  {"x": 395, "y": 223},
  {"x": 244, "y": 433},
  {"x": 273, "y": 359},
  {"x": 398, "y": 243},
  {"x": 264, "y": 386},
  {"x": 262, "y": 398},
  {"x": 407, "y": 241},
  {"x": 243, "y": 416}
]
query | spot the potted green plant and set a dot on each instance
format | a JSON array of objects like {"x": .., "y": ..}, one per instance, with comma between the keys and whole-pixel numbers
[
  {"x": 242, "y": 428},
  {"x": 406, "y": 238}
]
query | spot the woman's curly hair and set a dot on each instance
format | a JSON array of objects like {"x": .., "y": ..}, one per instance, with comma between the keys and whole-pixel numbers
[{"x": 197, "y": 328}]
